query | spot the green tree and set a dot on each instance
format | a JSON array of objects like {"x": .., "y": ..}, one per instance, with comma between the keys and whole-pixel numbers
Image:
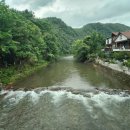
[
  {"x": 51, "y": 49},
  {"x": 88, "y": 48},
  {"x": 80, "y": 50}
]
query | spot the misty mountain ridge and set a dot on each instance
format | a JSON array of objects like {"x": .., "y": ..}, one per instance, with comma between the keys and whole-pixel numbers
[{"x": 104, "y": 28}]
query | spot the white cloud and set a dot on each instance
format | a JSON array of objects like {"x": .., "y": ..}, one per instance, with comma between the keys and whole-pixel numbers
[{"x": 76, "y": 13}]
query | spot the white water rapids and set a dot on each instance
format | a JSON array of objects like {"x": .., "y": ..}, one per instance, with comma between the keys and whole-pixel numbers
[{"x": 64, "y": 110}]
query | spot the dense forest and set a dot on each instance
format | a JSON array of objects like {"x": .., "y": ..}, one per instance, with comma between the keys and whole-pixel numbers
[{"x": 25, "y": 39}]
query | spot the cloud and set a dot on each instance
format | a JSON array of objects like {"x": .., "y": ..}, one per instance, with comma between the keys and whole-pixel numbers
[
  {"x": 76, "y": 13},
  {"x": 30, "y": 4},
  {"x": 41, "y": 3}
]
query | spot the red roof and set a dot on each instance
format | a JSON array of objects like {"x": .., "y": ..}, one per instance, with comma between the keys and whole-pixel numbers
[
  {"x": 127, "y": 34},
  {"x": 115, "y": 33}
]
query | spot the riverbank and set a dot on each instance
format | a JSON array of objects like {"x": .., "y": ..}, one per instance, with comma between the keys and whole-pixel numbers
[
  {"x": 117, "y": 67},
  {"x": 10, "y": 75}
]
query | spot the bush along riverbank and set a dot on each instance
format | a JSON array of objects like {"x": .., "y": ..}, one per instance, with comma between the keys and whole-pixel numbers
[
  {"x": 9, "y": 75},
  {"x": 89, "y": 48}
]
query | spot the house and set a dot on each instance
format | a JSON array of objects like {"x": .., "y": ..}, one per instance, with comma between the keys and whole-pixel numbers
[{"x": 119, "y": 41}]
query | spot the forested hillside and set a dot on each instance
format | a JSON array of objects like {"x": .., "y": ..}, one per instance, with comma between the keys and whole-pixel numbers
[
  {"x": 64, "y": 34},
  {"x": 27, "y": 39},
  {"x": 104, "y": 29}
]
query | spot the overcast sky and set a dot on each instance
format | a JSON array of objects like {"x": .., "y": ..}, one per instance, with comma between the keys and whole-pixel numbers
[{"x": 77, "y": 13}]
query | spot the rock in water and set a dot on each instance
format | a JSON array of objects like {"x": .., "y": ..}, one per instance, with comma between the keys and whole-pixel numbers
[{"x": 1, "y": 87}]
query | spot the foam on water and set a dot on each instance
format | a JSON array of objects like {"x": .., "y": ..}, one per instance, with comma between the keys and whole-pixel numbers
[
  {"x": 57, "y": 96},
  {"x": 34, "y": 96},
  {"x": 15, "y": 96},
  {"x": 105, "y": 101},
  {"x": 101, "y": 99},
  {"x": 3, "y": 92}
]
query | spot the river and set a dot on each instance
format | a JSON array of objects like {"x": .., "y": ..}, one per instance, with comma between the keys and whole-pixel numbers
[{"x": 77, "y": 105}]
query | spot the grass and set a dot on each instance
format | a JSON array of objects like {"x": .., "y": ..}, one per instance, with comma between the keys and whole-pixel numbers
[{"x": 12, "y": 74}]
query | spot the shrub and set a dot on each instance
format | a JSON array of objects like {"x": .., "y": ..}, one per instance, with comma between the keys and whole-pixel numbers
[
  {"x": 120, "y": 55},
  {"x": 102, "y": 55},
  {"x": 112, "y": 61},
  {"x": 127, "y": 63}
]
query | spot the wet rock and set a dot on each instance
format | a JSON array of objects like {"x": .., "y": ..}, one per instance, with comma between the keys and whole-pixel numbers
[
  {"x": 86, "y": 95},
  {"x": 1, "y": 87},
  {"x": 21, "y": 89},
  {"x": 27, "y": 89},
  {"x": 38, "y": 90},
  {"x": 96, "y": 92},
  {"x": 4, "y": 93},
  {"x": 9, "y": 86},
  {"x": 55, "y": 89},
  {"x": 123, "y": 94},
  {"x": 76, "y": 92},
  {"x": 84, "y": 92},
  {"x": 127, "y": 91}
]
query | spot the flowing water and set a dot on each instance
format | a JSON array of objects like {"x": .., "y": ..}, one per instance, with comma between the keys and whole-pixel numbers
[{"x": 71, "y": 101}]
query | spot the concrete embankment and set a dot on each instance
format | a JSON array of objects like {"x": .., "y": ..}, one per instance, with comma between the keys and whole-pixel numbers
[{"x": 117, "y": 67}]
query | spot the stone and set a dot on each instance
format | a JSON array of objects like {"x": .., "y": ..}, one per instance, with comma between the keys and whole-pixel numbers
[{"x": 1, "y": 87}]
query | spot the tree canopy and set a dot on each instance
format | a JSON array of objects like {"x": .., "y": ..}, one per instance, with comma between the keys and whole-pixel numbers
[{"x": 26, "y": 39}]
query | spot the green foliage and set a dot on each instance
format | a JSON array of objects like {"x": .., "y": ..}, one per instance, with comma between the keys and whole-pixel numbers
[
  {"x": 112, "y": 61},
  {"x": 80, "y": 50},
  {"x": 25, "y": 39},
  {"x": 13, "y": 73},
  {"x": 95, "y": 41},
  {"x": 64, "y": 34},
  {"x": 127, "y": 63},
  {"x": 28, "y": 14},
  {"x": 51, "y": 49},
  {"x": 120, "y": 55},
  {"x": 88, "y": 48},
  {"x": 103, "y": 55}
]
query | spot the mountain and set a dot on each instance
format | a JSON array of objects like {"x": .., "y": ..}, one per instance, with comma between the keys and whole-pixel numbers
[
  {"x": 104, "y": 29},
  {"x": 65, "y": 34}
]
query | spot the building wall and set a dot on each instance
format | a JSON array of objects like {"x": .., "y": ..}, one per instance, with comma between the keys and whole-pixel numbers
[
  {"x": 121, "y": 38},
  {"x": 117, "y": 43},
  {"x": 123, "y": 44},
  {"x": 109, "y": 41}
]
